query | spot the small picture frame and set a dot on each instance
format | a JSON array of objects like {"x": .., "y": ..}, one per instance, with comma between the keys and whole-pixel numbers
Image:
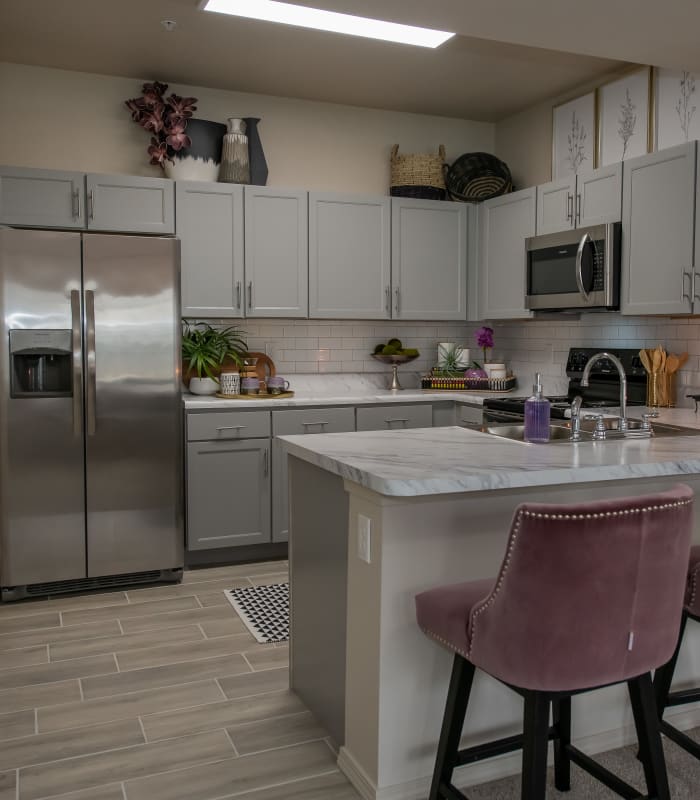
[
  {"x": 676, "y": 107},
  {"x": 624, "y": 129},
  {"x": 573, "y": 137}
]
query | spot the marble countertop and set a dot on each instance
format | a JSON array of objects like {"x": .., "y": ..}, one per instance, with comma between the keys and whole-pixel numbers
[{"x": 433, "y": 461}]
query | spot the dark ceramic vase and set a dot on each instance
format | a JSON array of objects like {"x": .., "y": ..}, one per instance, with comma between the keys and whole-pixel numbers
[
  {"x": 256, "y": 156},
  {"x": 202, "y": 159}
]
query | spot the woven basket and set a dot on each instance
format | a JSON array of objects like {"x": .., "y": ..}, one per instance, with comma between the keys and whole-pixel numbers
[
  {"x": 475, "y": 177},
  {"x": 416, "y": 170}
]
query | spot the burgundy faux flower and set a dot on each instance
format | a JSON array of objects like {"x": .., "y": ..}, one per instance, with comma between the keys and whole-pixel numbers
[
  {"x": 182, "y": 106},
  {"x": 153, "y": 92},
  {"x": 137, "y": 107},
  {"x": 158, "y": 151}
]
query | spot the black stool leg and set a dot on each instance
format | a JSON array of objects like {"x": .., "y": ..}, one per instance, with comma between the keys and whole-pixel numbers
[
  {"x": 663, "y": 677},
  {"x": 561, "y": 717},
  {"x": 535, "y": 741},
  {"x": 646, "y": 722},
  {"x": 452, "y": 724}
]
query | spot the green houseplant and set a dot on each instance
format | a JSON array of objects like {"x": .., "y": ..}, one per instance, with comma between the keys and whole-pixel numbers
[{"x": 205, "y": 349}]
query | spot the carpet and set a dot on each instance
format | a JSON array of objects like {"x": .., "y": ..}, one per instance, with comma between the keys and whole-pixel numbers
[{"x": 264, "y": 610}]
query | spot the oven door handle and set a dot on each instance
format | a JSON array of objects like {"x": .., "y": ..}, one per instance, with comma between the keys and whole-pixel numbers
[{"x": 585, "y": 239}]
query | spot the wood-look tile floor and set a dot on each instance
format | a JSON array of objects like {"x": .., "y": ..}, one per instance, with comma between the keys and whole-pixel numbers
[{"x": 156, "y": 693}]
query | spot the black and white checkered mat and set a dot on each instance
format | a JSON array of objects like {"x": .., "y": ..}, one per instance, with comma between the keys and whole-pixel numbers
[{"x": 264, "y": 610}]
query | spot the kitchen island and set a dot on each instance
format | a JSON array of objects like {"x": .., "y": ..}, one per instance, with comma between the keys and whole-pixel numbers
[{"x": 378, "y": 517}]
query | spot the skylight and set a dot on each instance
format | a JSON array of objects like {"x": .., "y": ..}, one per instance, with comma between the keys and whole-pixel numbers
[{"x": 301, "y": 16}]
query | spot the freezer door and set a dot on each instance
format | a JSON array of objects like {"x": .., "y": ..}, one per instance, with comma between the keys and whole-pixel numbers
[
  {"x": 42, "y": 494},
  {"x": 133, "y": 407}
]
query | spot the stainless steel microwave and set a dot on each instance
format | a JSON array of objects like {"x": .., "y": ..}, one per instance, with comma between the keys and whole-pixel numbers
[{"x": 574, "y": 270}]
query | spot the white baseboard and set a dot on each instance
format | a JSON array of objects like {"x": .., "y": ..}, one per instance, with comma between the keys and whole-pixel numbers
[{"x": 494, "y": 768}]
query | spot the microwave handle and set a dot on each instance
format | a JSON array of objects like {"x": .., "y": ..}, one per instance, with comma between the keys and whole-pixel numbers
[{"x": 585, "y": 239}]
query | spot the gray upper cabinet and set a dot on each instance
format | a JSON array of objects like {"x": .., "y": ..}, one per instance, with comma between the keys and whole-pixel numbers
[
  {"x": 210, "y": 227},
  {"x": 276, "y": 253},
  {"x": 593, "y": 198},
  {"x": 349, "y": 256},
  {"x": 429, "y": 259},
  {"x": 658, "y": 220},
  {"x": 129, "y": 204},
  {"x": 504, "y": 224},
  {"x": 42, "y": 198}
]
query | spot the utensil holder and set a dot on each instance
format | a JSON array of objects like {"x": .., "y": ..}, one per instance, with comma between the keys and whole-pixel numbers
[{"x": 661, "y": 390}]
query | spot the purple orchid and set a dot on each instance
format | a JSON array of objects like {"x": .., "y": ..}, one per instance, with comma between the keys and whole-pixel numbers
[
  {"x": 484, "y": 339},
  {"x": 165, "y": 119}
]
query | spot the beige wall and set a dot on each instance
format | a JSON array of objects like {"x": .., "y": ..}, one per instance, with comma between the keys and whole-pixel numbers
[
  {"x": 524, "y": 140},
  {"x": 75, "y": 120}
]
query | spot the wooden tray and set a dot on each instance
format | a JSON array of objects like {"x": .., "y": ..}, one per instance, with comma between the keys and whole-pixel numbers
[{"x": 259, "y": 396}]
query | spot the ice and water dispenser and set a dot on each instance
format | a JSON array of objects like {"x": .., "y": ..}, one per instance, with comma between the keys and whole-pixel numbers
[{"x": 40, "y": 363}]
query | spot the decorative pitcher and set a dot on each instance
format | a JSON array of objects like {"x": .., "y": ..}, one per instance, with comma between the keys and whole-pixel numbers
[{"x": 235, "y": 165}]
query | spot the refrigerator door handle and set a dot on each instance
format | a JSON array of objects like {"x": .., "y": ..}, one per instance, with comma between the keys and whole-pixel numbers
[
  {"x": 91, "y": 388},
  {"x": 77, "y": 357}
]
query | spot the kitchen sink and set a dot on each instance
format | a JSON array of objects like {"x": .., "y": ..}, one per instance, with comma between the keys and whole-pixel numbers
[{"x": 562, "y": 433}]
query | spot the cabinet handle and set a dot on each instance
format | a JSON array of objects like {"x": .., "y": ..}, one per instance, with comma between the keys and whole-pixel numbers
[
  {"x": 397, "y": 292},
  {"x": 570, "y": 207},
  {"x": 390, "y": 421},
  {"x": 76, "y": 203},
  {"x": 690, "y": 276},
  {"x": 388, "y": 299},
  {"x": 231, "y": 427},
  {"x": 91, "y": 204},
  {"x": 266, "y": 463},
  {"x": 238, "y": 294},
  {"x": 320, "y": 422},
  {"x": 693, "y": 289},
  {"x": 578, "y": 208},
  {"x": 250, "y": 294}
]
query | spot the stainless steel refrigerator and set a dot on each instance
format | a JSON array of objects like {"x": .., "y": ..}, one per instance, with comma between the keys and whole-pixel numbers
[{"x": 90, "y": 411}]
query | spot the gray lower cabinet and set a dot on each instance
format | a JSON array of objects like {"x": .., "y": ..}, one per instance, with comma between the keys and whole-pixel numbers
[
  {"x": 276, "y": 253},
  {"x": 429, "y": 259},
  {"x": 294, "y": 422},
  {"x": 504, "y": 224},
  {"x": 42, "y": 198},
  {"x": 349, "y": 256},
  {"x": 228, "y": 478},
  {"x": 210, "y": 229},
  {"x": 658, "y": 226},
  {"x": 394, "y": 417}
]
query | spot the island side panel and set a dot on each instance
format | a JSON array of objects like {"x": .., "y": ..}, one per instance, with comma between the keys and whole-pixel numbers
[{"x": 318, "y": 554}]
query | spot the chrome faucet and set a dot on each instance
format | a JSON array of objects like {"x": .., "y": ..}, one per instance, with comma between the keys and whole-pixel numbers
[
  {"x": 623, "y": 382},
  {"x": 576, "y": 419}
]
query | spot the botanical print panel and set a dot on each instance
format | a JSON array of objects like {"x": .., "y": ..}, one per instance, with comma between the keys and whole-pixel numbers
[
  {"x": 573, "y": 137},
  {"x": 677, "y": 107},
  {"x": 623, "y": 118}
]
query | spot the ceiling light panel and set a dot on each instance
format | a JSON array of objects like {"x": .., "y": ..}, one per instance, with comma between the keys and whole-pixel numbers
[{"x": 303, "y": 17}]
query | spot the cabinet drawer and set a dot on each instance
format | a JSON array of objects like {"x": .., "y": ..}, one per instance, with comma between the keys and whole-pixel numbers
[
  {"x": 227, "y": 425},
  {"x": 290, "y": 422},
  {"x": 469, "y": 416},
  {"x": 378, "y": 418}
]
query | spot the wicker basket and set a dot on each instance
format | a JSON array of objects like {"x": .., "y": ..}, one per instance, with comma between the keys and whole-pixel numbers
[
  {"x": 475, "y": 177},
  {"x": 418, "y": 175}
]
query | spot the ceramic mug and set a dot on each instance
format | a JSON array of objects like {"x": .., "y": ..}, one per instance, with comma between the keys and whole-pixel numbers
[
  {"x": 250, "y": 386},
  {"x": 230, "y": 383},
  {"x": 276, "y": 384}
]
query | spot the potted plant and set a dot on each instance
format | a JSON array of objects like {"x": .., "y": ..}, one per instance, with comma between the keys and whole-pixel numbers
[{"x": 204, "y": 351}]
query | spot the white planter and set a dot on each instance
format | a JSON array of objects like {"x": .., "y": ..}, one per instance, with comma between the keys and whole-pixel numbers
[
  {"x": 203, "y": 386},
  {"x": 462, "y": 354}
]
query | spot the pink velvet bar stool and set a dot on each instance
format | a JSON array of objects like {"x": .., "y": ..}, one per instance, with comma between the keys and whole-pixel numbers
[
  {"x": 588, "y": 595},
  {"x": 664, "y": 676}
]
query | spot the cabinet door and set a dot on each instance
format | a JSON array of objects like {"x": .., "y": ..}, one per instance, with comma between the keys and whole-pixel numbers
[
  {"x": 394, "y": 418},
  {"x": 42, "y": 198},
  {"x": 129, "y": 204},
  {"x": 349, "y": 256},
  {"x": 555, "y": 205},
  {"x": 658, "y": 202},
  {"x": 292, "y": 423},
  {"x": 210, "y": 227},
  {"x": 228, "y": 493},
  {"x": 599, "y": 196},
  {"x": 276, "y": 253},
  {"x": 429, "y": 259},
  {"x": 505, "y": 223}
]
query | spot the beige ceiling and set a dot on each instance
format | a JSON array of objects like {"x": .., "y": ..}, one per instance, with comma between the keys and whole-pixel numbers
[{"x": 473, "y": 76}]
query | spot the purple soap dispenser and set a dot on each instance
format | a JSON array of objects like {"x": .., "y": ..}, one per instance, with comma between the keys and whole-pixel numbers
[{"x": 537, "y": 413}]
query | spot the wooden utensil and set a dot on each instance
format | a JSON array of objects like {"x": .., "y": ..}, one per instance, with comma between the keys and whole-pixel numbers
[
  {"x": 656, "y": 360},
  {"x": 683, "y": 357},
  {"x": 672, "y": 363},
  {"x": 646, "y": 362}
]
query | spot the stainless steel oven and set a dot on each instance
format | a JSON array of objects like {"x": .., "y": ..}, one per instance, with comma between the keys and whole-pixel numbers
[{"x": 574, "y": 270}]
